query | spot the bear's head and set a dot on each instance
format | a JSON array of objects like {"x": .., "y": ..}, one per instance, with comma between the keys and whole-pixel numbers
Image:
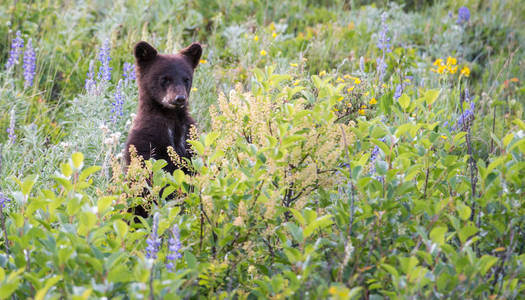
[{"x": 166, "y": 78}]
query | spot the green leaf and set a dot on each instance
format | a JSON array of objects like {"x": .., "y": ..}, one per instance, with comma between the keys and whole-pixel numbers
[
  {"x": 289, "y": 140},
  {"x": 464, "y": 211},
  {"x": 87, "y": 172},
  {"x": 191, "y": 261},
  {"x": 104, "y": 202},
  {"x": 210, "y": 138},
  {"x": 27, "y": 185},
  {"x": 121, "y": 228},
  {"x": 49, "y": 283},
  {"x": 77, "y": 159},
  {"x": 319, "y": 223},
  {"x": 486, "y": 262},
  {"x": 431, "y": 96},
  {"x": 295, "y": 231},
  {"x": 390, "y": 270},
  {"x": 66, "y": 169},
  {"x": 466, "y": 232},
  {"x": 197, "y": 146},
  {"x": 437, "y": 235},
  {"x": 292, "y": 254},
  {"x": 404, "y": 101}
]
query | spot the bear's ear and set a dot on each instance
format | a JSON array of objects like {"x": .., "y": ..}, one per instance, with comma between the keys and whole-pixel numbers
[
  {"x": 193, "y": 53},
  {"x": 144, "y": 52}
]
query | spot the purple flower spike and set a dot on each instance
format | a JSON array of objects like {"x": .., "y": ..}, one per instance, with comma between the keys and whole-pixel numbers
[
  {"x": 3, "y": 199},
  {"x": 383, "y": 42},
  {"x": 11, "y": 128},
  {"x": 129, "y": 72},
  {"x": 463, "y": 15},
  {"x": 104, "y": 73},
  {"x": 174, "y": 247},
  {"x": 29, "y": 64},
  {"x": 118, "y": 103},
  {"x": 91, "y": 82},
  {"x": 153, "y": 240},
  {"x": 16, "y": 49},
  {"x": 399, "y": 91}
]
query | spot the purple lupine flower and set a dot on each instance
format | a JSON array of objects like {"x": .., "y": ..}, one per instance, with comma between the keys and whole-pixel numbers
[
  {"x": 362, "y": 64},
  {"x": 174, "y": 247},
  {"x": 153, "y": 240},
  {"x": 104, "y": 72},
  {"x": 3, "y": 199},
  {"x": 463, "y": 15},
  {"x": 381, "y": 67},
  {"x": 373, "y": 157},
  {"x": 16, "y": 48},
  {"x": 129, "y": 72},
  {"x": 118, "y": 102},
  {"x": 383, "y": 41},
  {"x": 11, "y": 128},
  {"x": 467, "y": 117},
  {"x": 91, "y": 82},
  {"x": 399, "y": 91},
  {"x": 29, "y": 64}
]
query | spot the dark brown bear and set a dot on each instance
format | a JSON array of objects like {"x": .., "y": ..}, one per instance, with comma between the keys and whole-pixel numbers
[{"x": 162, "y": 119}]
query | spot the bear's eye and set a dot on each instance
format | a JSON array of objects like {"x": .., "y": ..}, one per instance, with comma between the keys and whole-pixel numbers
[
  {"x": 164, "y": 81},
  {"x": 186, "y": 80}
]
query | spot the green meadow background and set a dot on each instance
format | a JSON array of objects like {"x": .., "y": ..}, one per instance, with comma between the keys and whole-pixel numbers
[{"x": 344, "y": 150}]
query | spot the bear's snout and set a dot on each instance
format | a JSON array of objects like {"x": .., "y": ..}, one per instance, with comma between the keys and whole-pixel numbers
[
  {"x": 179, "y": 100},
  {"x": 175, "y": 98}
]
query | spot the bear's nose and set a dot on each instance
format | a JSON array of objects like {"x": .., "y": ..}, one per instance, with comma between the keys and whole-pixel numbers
[{"x": 180, "y": 99}]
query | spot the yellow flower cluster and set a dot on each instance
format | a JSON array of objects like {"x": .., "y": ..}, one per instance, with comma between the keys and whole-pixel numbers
[{"x": 450, "y": 66}]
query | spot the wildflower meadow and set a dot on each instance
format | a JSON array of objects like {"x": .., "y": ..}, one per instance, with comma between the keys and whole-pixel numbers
[{"x": 344, "y": 149}]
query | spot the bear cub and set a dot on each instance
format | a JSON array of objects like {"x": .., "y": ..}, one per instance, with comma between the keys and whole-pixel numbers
[{"x": 162, "y": 120}]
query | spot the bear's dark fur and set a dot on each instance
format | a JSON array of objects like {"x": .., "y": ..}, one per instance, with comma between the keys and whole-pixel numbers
[{"x": 162, "y": 120}]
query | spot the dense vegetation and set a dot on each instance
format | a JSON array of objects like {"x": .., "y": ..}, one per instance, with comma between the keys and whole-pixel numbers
[{"x": 345, "y": 149}]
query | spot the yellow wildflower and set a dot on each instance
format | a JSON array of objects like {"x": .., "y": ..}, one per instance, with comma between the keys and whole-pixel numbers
[
  {"x": 274, "y": 34},
  {"x": 347, "y": 76},
  {"x": 440, "y": 69},
  {"x": 373, "y": 101},
  {"x": 451, "y": 61},
  {"x": 444, "y": 137},
  {"x": 296, "y": 83},
  {"x": 357, "y": 81},
  {"x": 453, "y": 70},
  {"x": 203, "y": 61},
  {"x": 256, "y": 38},
  {"x": 361, "y": 111},
  {"x": 263, "y": 53},
  {"x": 194, "y": 89},
  {"x": 351, "y": 26},
  {"x": 272, "y": 26},
  {"x": 465, "y": 71},
  {"x": 349, "y": 104},
  {"x": 340, "y": 99},
  {"x": 350, "y": 89},
  {"x": 339, "y": 79},
  {"x": 438, "y": 62},
  {"x": 514, "y": 79},
  {"x": 322, "y": 73},
  {"x": 293, "y": 65}
]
